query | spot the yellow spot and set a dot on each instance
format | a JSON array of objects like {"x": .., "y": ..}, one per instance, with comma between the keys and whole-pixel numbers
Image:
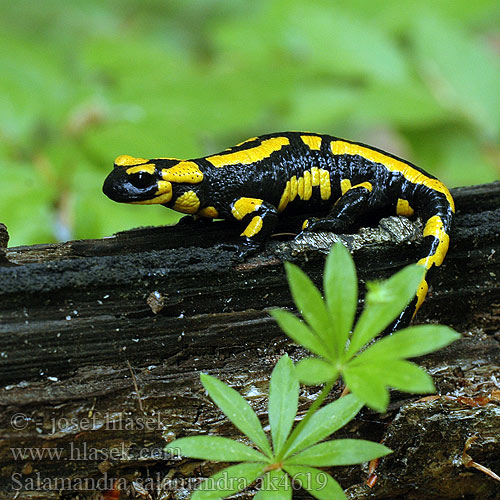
[
  {"x": 184, "y": 171},
  {"x": 126, "y": 160},
  {"x": 293, "y": 188},
  {"x": 313, "y": 141},
  {"x": 315, "y": 176},
  {"x": 366, "y": 185},
  {"x": 307, "y": 186},
  {"x": 250, "y": 155},
  {"x": 403, "y": 208},
  {"x": 305, "y": 224},
  {"x": 345, "y": 185},
  {"x": 421, "y": 294},
  {"x": 149, "y": 168},
  {"x": 434, "y": 227},
  {"x": 248, "y": 140},
  {"x": 187, "y": 203},
  {"x": 410, "y": 173},
  {"x": 285, "y": 197},
  {"x": 164, "y": 195},
  {"x": 209, "y": 212},
  {"x": 254, "y": 227},
  {"x": 245, "y": 206},
  {"x": 300, "y": 187},
  {"x": 324, "y": 184}
]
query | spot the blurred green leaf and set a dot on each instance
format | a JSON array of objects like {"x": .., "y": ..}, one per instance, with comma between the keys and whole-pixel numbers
[
  {"x": 367, "y": 386},
  {"x": 85, "y": 82},
  {"x": 314, "y": 371},
  {"x": 409, "y": 343},
  {"x": 461, "y": 71}
]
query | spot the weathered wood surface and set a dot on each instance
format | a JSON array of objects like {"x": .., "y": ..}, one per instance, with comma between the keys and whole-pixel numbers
[{"x": 76, "y": 321}]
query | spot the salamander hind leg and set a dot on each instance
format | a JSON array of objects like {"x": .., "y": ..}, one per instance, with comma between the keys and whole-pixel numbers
[
  {"x": 259, "y": 219},
  {"x": 348, "y": 208}
]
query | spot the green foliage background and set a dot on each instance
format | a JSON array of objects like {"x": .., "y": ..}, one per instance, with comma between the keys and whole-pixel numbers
[{"x": 84, "y": 81}]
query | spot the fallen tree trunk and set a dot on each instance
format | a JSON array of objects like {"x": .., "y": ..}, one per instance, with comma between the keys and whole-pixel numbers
[{"x": 102, "y": 342}]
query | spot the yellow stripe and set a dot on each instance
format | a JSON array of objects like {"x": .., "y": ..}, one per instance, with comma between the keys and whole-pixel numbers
[
  {"x": 251, "y": 155},
  {"x": 210, "y": 212},
  {"x": 345, "y": 185},
  {"x": 126, "y": 160},
  {"x": 254, "y": 227},
  {"x": 315, "y": 176},
  {"x": 293, "y": 188},
  {"x": 313, "y": 141},
  {"x": 403, "y": 208},
  {"x": 324, "y": 184},
  {"x": 187, "y": 203},
  {"x": 248, "y": 140},
  {"x": 408, "y": 172},
  {"x": 421, "y": 293},
  {"x": 285, "y": 197},
  {"x": 245, "y": 206},
  {"x": 184, "y": 171},
  {"x": 434, "y": 227},
  {"x": 366, "y": 185},
  {"x": 307, "y": 185},
  {"x": 300, "y": 187},
  {"x": 149, "y": 168}
]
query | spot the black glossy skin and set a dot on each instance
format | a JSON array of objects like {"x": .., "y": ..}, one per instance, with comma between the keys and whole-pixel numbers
[{"x": 389, "y": 179}]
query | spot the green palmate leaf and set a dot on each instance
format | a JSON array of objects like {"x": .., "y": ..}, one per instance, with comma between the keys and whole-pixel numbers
[
  {"x": 314, "y": 371},
  {"x": 215, "y": 448},
  {"x": 283, "y": 401},
  {"x": 324, "y": 422},
  {"x": 299, "y": 332},
  {"x": 403, "y": 375},
  {"x": 309, "y": 302},
  {"x": 228, "y": 481},
  {"x": 237, "y": 410},
  {"x": 339, "y": 452},
  {"x": 317, "y": 482},
  {"x": 367, "y": 386},
  {"x": 409, "y": 343},
  {"x": 275, "y": 485},
  {"x": 384, "y": 301},
  {"x": 341, "y": 294}
]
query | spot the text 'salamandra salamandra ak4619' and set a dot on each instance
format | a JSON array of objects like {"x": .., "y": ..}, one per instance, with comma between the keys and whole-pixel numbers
[{"x": 291, "y": 172}]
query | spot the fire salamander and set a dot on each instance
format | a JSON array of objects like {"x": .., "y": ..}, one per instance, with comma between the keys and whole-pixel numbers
[{"x": 292, "y": 172}]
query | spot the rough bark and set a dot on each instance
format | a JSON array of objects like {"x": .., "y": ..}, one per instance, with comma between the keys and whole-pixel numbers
[{"x": 102, "y": 342}]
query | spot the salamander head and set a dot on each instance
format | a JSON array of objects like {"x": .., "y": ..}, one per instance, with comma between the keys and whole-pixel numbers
[{"x": 136, "y": 180}]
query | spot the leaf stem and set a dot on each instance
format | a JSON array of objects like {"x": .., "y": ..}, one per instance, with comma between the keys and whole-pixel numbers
[{"x": 324, "y": 392}]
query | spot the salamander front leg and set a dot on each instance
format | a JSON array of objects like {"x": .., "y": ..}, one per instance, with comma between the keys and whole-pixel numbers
[
  {"x": 345, "y": 212},
  {"x": 260, "y": 218}
]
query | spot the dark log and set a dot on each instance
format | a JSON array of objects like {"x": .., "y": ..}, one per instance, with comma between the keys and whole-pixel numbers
[{"x": 102, "y": 342}]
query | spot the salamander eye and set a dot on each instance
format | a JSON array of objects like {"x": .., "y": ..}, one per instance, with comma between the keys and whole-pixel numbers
[{"x": 141, "y": 180}]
